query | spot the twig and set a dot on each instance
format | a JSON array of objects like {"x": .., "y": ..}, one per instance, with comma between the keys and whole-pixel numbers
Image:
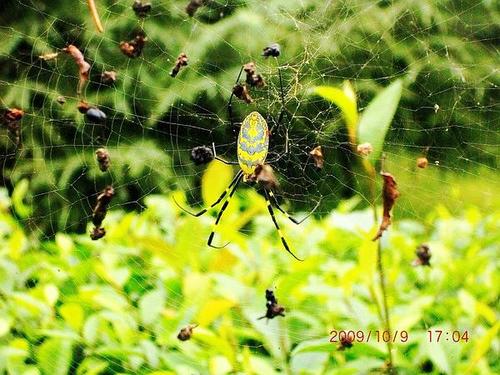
[
  {"x": 385, "y": 317},
  {"x": 95, "y": 16}
]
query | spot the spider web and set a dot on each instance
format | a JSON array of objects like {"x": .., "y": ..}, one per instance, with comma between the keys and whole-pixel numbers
[{"x": 448, "y": 112}]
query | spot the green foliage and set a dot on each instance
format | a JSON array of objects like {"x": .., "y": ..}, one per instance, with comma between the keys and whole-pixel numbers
[
  {"x": 377, "y": 118},
  {"x": 443, "y": 51},
  {"x": 116, "y": 305}
]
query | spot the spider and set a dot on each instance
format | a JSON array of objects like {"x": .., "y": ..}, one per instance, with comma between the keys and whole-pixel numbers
[{"x": 252, "y": 149}]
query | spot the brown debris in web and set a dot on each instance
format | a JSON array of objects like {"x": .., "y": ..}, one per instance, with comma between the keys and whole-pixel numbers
[
  {"x": 317, "y": 155},
  {"x": 241, "y": 92},
  {"x": 186, "y": 332},
  {"x": 11, "y": 120},
  {"x": 100, "y": 211},
  {"x": 389, "y": 193},
  {"x": 423, "y": 254},
  {"x": 103, "y": 159},
  {"x": 193, "y": 6},
  {"x": 134, "y": 47},
  {"x": 264, "y": 175},
  {"x": 83, "y": 66},
  {"x": 273, "y": 309},
  {"x": 108, "y": 76},
  {"x": 253, "y": 79},
  {"x": 182, "y": 60}
]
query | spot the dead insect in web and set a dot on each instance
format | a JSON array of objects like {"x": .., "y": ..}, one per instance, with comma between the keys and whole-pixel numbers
[
  {"x": 100, "y": 211},
  {"x": 13, "y": 114},
  {"x": 241, "y": 92},
  {"x": 11, "y": 119},
  {"x": 61, "y": 99},
  {"x": 134, "y": 47},
  {"x": 345, "y": 342},
  {"x": 186, "y": 332},
  {"x": 202, "y": 155},
  {"x": 365, "y": 149},
  {"x": 253, "y": 79},
  {"x": 108, "y": 76},
  {"x": 93, "y": 114},
  {"x": 141, "y": 9},
  {"x": 272, "y": 306},
  {"x": 83, "y": 66},
  {"x": 389, "y": 193},
  {"x": 423, "y": 253},
  {"x": 317, "y": 155},
  {"x": 182, "y": 60},
  {"x": 272, "y": 50},
  {"x": 264, "y": 175},
  {"x": 193, "y": 6},
  {"x": 103, "y": 159},
  {"x": 422, "y": 161}
]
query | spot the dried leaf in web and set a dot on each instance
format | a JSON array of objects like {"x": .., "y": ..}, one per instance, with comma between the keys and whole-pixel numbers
[
  {"x": 83, "y": 66},
  {"x": 390, "y": 193}
]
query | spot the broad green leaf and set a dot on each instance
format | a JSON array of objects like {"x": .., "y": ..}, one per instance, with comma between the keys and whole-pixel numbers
[
  {"x": 212, "y": 309},
  {"x": 345, "y": 99},
  {"x": 377, "y": 117},
  {"x": 54, "y": 356},
  {"x": 215, "y": 180},
  {"x": 73, "y": 314},
  {"x": 483, "y": 344}
]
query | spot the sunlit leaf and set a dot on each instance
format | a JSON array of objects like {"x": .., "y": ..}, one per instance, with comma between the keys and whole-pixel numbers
[
  {"x": 215, "y": 180},
  {"x": 377, "y": 117},
  {"x": 54, "y": 356},
  {"x": 345, "y": 99}
]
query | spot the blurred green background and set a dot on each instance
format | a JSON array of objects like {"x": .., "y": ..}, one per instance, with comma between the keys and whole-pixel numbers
[{"x": 71, "y": 305}]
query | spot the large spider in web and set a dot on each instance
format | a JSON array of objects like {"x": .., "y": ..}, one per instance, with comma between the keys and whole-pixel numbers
[{"x": 252, "y": 150}]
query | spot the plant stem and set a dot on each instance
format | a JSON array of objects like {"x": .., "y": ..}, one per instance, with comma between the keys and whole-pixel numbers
[
  {"x": 380, "y": 268},
  {"x": 385, "y": 317}
]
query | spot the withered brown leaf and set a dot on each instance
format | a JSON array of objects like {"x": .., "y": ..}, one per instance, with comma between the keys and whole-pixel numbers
[
  {"x": 389, "y": 193},
  {"x": 83, "y": 66},
  {"x": 182, "y": 60},
  {"x": 317, "y": 154}
]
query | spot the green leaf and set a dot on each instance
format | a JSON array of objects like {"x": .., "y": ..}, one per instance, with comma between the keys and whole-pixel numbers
[
  {"x": 216, "y": 178},
  {"x": 151, "y": 305},
  {"x": 317, "y": 345},
  {"x": 54, "y": 356},
  {"x": 377, "y": 117},
  {"x": 345, "y": 99}
]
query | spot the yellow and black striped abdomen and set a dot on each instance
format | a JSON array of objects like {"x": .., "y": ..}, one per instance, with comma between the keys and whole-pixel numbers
[{"x": 253, "y": 142}]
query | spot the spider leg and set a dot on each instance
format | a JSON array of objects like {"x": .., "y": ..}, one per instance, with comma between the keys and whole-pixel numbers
[
  {"x": 221, "y": 197},
  {"x": 224, "y": 206},
  {"x": 222, "y": 160},
  {"x": 271, "y": 212},
  {"x": 230, "y": 103},
  {"x": 292, "y": 219}
]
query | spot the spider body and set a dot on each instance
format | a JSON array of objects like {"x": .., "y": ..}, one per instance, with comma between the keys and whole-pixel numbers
[
  {"x": 253, "y": 143},
  {"x": 252, "y": 149}
]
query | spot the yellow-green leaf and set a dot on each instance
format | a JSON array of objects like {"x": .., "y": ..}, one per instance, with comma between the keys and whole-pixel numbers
[
  {"x": 215, "y": 180},
  {"x": 377, "y": 118},
  {"x": 345, "y": 99}
]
